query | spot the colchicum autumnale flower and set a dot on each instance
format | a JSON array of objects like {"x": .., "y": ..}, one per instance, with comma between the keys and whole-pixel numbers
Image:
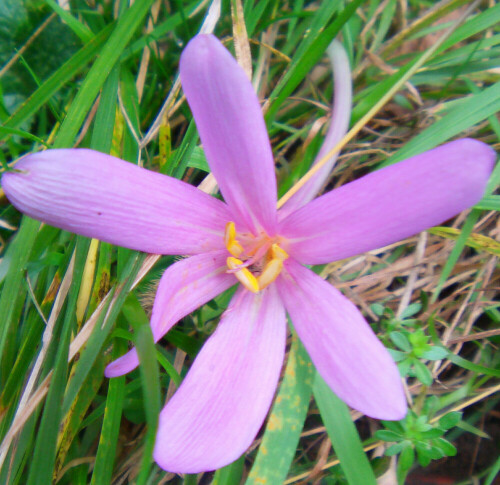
[{"x": 221, "y": 404}]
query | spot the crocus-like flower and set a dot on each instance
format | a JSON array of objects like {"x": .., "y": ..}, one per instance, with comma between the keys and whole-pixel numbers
[{"x": 223, "y": 400}]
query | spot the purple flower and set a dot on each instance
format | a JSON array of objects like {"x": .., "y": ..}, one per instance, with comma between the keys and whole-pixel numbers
[{"x": 222, "y": 402}]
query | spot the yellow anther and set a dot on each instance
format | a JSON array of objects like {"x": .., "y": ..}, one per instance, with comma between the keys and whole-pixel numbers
[
  {"x": 247, "y": 279},
  {"x": 235, "y": 248},
  {"x": 270, "y": 273},
  {"x": 232, "y": 245},
  {"x": 278, "y": 252},
  {"x": 230, "y": 233}
]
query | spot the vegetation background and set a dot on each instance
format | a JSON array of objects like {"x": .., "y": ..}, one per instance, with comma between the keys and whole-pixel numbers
[{"x": 104, "y": 74}]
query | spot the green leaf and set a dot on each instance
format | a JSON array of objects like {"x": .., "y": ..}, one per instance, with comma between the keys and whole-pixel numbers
[
  {"x": 386, "y": 435},
  {"x": 230, "y": 474},
  {"x": 343, "y": 434},
  {"x": 393, "y": 426},
  {"x": 405, "y": 462},
  {"x": 435, "y": 353},
  {"x": 401, "y": 341},
  {"x": 422, "y": 373},
  {"x": 432, "y": 433},
  {"x": 465, "y": 426},
  {"x": 447, "y": 448},
  {"x": 396, "y": 448},
  {"x": 411, "y": 310}
]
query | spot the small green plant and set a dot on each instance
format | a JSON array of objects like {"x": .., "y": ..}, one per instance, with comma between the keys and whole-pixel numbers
[{"x": 419, "y": 436}]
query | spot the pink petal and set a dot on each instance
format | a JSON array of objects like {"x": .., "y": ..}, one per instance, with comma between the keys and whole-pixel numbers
[
  {"x": 342, "y": 346},
  {"x": 100, "y": 196},
  {"x": 185, "y": 286},
  {"x": 232, "y": 130},
  {"x": 390, "y": 204},
  {"x": 341, "y": 114},
  {"x": 221, "y": 404}
]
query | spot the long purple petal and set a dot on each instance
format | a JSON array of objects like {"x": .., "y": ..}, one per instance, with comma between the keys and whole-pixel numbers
[
  {"x": 341, "y": 344},
  {"x": 100, "y": 196},
  {"x": 390, "y": 204},
  {"x": 185, "y": 286},
  {"x": 232, "y": 130},
  {"x": 221, "y": 404},
  {"x": 341, "y": 114}
]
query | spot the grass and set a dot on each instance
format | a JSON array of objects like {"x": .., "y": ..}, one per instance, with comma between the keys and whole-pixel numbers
[{"x": 104, "y": 75}]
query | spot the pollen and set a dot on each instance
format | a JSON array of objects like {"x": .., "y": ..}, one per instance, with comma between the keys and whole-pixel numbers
[{"x": 256, "y": 261}]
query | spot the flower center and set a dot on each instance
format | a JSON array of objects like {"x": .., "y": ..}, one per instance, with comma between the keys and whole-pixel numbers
[{"x": 256, "y": 260}]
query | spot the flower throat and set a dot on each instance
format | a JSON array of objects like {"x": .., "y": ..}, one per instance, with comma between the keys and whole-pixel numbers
[{"x": 255, "y": 261}]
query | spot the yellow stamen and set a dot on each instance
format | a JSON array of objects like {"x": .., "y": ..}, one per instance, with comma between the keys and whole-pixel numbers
[
  {"x": 245, "y": 277},
  {"x": 278, "y": 252},
  {"x": 270, "y": 273},
  {"x": 230, "y": 233},
  {"x": 235, "y": 248},
  {"x": 232, "y": 245}
]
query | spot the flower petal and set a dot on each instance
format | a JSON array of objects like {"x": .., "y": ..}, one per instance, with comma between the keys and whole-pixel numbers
[
  {"x": 341, "y": 114},
  {"x": 221, "y": 404},
  {"x": 342, "y": 346},
  {"x": 100, "y": 196},
  {"x": 390, "y": 204},
  {"x": 232, "y": 130},
  {"x": 185, "y": 286}
]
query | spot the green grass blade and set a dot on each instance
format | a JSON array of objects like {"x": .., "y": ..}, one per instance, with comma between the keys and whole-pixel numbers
[
  {"x": 230, "y": 474},
  {"x": 286, "y": 420},
  {"x": 303, "y": 64},
  {"x": 150, "y": 379},
  {"x": 81, "y": 30},
  {"x": 477, "y": 107},
  {"x": 125, "y": 28},
  {"x": 489, "y": 203},
  {"x": 102, "y": 135},
  {"x": 57, "y": 80},
  {"x": 16, "y": 258},
  {"x": 494, "y": 471},
  {"x": 44, "y": 456},
  {"x": 461, "y": 242},
  {"x": 343, "y": 434},
  {"x": 103, "y": 467},
  {"x": 101, "y": 331}
]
